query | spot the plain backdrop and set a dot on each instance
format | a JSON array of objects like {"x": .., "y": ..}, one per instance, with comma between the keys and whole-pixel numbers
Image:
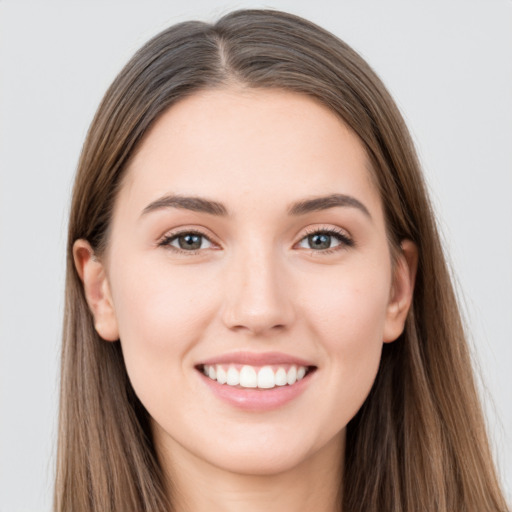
[{"x": 447, "y": 63}]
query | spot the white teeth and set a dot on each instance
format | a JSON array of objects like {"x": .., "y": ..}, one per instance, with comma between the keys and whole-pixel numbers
[
  {"x": 248, "y": 377},
  {"x": 233, "y": 377},
  {"x": 281, "y": 377},
  {"x": 266, "y": 377},
  {"x": 291, "y": 377},
  {"x": 222, "y": 376}
]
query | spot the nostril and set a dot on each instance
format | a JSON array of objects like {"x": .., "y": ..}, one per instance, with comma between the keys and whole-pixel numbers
[{"x": 258, "y": 326}]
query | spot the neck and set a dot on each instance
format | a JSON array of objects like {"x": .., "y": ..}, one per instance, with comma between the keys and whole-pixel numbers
[{"x": 314, "y": 484}]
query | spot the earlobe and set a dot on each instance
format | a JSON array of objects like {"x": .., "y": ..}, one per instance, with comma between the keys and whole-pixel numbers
[
  {"x": 96, "y": 289},
  {"x": 402, "y": 290}
]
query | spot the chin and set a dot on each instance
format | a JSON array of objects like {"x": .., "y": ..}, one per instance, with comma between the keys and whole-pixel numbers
[
  {"x": 261, "y": 464},
  {"x": 270, "y": 457}
]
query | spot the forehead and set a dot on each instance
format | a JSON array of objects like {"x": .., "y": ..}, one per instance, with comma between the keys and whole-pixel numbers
[{"x": 244, "y": 146}]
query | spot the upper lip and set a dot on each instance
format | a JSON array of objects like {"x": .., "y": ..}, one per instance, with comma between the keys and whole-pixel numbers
[{"x": 256, "y": 359}]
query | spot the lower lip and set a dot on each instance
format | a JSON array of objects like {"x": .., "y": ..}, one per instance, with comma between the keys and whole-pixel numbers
[{"x": 257, "y": 400}]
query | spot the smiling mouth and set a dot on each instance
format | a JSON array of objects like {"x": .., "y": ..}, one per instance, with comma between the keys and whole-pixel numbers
[{"x": 255, "y": 377}]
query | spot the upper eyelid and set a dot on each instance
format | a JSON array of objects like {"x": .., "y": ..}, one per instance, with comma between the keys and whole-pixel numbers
[
  {"x": 326, "y": 229},
  {"x": 173, "y": 233},
  {"x": 335, "y": 230}
]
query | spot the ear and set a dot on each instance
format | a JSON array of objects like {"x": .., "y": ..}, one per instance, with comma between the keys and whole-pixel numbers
[
  {"x": 402, "y": 290},
  {"x": 97, "y": 290}
]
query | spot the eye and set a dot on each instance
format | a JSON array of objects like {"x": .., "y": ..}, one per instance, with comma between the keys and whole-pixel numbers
[
  {"x": 188, "y": 241},
  {"x": 323, "y": 240}
]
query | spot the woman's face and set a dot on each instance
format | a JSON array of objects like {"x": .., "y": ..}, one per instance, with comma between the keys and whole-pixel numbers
[{"x": 248, "y": 242}]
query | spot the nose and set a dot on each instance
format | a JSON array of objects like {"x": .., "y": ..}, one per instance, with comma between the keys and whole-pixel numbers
[{"x": 258, "y": 294}]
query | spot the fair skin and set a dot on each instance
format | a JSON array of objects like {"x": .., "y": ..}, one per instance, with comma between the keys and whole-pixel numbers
[{"x": 259, "y": 279}]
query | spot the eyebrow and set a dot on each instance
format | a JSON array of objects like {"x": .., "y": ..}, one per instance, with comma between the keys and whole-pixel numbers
[
  {"x": 202, "y": 205},
  {"x": 196, "y": 204},
  {"x": 325, "y": 202}
]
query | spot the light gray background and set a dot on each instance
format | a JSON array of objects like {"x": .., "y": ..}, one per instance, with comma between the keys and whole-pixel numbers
[{"x": 447, "y": 63}]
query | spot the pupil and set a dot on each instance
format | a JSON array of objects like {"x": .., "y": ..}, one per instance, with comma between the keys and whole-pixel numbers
[
  {"x": 320, "y": 241},
  {"x": 190, "y": 241}
]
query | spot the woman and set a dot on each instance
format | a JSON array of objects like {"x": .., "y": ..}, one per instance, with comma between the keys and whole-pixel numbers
[{"x": 258, "y": 313}]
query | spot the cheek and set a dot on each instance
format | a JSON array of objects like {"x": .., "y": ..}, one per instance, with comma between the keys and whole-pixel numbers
[
  {"x": 162, "y": 302},
  {"x": 161, "y": 316},
  {"x": 350, "y": 303},
  {"x": 348, "y": 319}
]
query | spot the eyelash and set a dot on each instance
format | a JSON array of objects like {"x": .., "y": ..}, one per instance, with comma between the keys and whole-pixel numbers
[
  {"x": 167, "y": 239},
  {"x": 341, "y": 236}
]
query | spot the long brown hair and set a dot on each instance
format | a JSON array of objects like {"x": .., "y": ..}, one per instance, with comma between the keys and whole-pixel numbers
[{"x": 418, "y": 443}]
